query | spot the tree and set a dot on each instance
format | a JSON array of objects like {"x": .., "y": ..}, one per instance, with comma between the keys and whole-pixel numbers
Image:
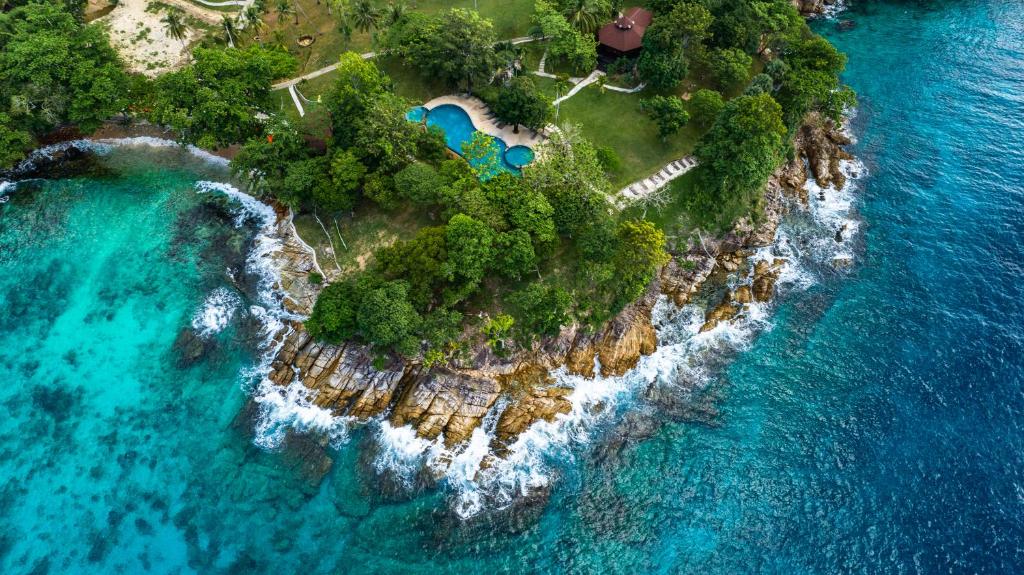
[
  {"x": 542, "y": 309},
  {"x": 729, "y": 66},
  {"x": 346, "y": 175},
  {"x": 214, "y": 101},
  {"x": 483, "y": 154},
  {"x": 515, "y": 255},
  {"x": 387, "y": 319},
  {"x": 520, "y": 102},
  {"x": 419, "y": 183},
  {"x": 175, "y": 25},
  {"x": 579, "y": 50},
  {"x": 737, "y": 155},
  {"x": 229, "y": 29},
  {"x": 705, "y": 105},
  {"x": 640, "y": 253},
  {"x": 586, "y": 15},
  {"x": 13, "y": 142},
  {"x": 365, "y": 15},
  {"x": 760, "y": 84},
  {"x": 668, "y": 112},
  {"x": 55, "y": 70},
  {"x": 431, "y": 145},
  {"x": 358, "y": 83},
  {"x": 383, "y": 138},
  {"x": 420, "y": 262},
  {"x": 303, "y": 181},
  {"x": 333, "y": 319},
  {"x": 671, "y": 42},
  {"x": 263, "y": 160},
  {"x": 285, "y": 8},
  {"x": 569, "y": 175},
  {"x": 455, "y": 46},
  {"x": 523, "y": 208},
  {"x": 810, "y": 81},
  {"x": 470, "y": 253}
]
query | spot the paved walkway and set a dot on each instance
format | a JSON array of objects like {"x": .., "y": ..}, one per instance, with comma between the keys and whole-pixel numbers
[
  {"x": 485, "y": 121},
  {"x": 366, "y": 56},
  {"x": 315, "y": 73},
  {"x": 641, "y": 189}
]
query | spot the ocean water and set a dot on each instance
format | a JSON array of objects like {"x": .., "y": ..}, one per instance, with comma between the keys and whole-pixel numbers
[{"x": 867, "y": 422}]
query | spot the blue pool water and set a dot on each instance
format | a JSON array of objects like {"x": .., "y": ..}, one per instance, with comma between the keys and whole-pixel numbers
[
  {"x": 518, "y": 156},
  {"x": 873, "y": 425},
  {"x": 458, "y": 130}
]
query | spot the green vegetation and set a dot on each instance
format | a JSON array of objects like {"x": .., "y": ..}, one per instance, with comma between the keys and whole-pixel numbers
[
  {"x": 55, "y": 70},
  {"x": 427, "y": 252},
  {"x": 668, "y": 112},
  {"x": 214, "y": 101}
]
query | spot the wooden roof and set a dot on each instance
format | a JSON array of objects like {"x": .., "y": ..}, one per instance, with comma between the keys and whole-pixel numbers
[{"x": 626, "y": 33}]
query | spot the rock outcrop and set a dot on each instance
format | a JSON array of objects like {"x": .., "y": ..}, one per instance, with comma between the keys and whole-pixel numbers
[
  {"x": 451, "y": 402},
  {"x": 812, "y": 7},
  {"x": 819, "y": 150}
]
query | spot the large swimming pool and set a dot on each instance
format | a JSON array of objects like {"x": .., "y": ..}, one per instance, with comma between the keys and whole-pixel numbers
[{"x": 458, "y": 129}]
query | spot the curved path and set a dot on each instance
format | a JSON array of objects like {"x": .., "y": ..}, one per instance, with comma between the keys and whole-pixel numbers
[{"x": 366, "y": 56}]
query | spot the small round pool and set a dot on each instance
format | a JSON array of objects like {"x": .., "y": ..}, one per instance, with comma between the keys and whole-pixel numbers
[
  {"x": 518, "y": 156},
  {"x": 416, "y": 114}
]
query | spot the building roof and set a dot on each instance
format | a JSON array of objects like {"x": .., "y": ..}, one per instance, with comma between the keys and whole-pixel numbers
[{"x": 626, "y": 33}]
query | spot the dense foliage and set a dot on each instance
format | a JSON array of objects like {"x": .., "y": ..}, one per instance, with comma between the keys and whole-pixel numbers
[
  {"x": 55, "y": 70},
  {"x": 215, "y": 100},
  {"x": 455, "y": 46}
]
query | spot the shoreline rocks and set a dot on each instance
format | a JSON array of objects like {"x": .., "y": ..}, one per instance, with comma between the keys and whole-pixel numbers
[{"x": 451, "y": 402}]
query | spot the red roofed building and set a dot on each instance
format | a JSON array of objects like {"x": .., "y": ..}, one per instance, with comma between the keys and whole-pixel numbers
[{"x": 625, "y": 35}]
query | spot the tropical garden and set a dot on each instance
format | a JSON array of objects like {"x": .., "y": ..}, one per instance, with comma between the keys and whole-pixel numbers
[{"x": 429, "y": 254}]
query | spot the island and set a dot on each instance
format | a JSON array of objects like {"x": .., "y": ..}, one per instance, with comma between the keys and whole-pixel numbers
[{"x": 468, "y": 198}]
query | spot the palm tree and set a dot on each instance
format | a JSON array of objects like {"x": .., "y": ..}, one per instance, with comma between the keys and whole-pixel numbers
[
  {"x": 229, "y": 29},
  {"x": 396, "y": 9},
  {"x": 584, "y": 15},
  {"x": 253, "y": 19},
  {"x": 340, "y": 5},
  {"x": 175, "y": 26},
  {"x": 364, "y": 15},
  {"x": 285, "y": 8}
]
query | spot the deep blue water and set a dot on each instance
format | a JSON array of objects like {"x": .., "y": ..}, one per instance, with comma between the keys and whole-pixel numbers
[{"x": 874, "y": 427}]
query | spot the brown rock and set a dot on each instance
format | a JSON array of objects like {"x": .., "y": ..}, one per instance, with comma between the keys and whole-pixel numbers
[
  {"x": 724, "y": 312},
  {"x": 540, "y": 404},
  {"x": 742, "y": 295}
]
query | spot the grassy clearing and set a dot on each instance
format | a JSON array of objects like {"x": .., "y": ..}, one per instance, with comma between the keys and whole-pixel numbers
[
  {"x": 615, "y": 120},
  {"x": 361, "y": 236}
]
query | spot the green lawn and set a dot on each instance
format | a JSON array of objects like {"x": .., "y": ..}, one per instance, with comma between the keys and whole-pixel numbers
[{"x": 615, "y": 120}]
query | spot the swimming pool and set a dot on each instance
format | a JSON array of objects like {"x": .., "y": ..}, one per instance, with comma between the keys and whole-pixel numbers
[{"x": 458, "y": 129}]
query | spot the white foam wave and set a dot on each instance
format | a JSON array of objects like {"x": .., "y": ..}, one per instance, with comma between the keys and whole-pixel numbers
[
  {"x": 217, "y": 311},
  {"x": 292, "y": 408}
]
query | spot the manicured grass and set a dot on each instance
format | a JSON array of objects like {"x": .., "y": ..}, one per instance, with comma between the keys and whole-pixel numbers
[{"x": 615, "y": 120}]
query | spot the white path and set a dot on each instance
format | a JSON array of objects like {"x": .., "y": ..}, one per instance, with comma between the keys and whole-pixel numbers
[
  {"x": 315, "y": 73},
  {"x": 295, "y": 98},
  {"x": 366, "y": 56},
  {"x": 643, "y": 188}
]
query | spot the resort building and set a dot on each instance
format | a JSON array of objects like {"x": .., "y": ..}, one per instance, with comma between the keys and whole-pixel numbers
[{"x": 624, "y": 36}]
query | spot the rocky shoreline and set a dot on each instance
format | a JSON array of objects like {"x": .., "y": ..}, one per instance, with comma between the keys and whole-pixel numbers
[{"x": 453, "y": 401}]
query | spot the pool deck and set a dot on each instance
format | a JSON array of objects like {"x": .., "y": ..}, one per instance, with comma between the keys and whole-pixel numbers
[{"x": 485, "y": 121}]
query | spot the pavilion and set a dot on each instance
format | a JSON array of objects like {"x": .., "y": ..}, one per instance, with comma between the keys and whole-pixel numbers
[{"x": 624, "y": 36}]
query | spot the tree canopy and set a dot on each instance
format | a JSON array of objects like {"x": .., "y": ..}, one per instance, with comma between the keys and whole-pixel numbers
[
  {"x": 214, "y": 101},
  {"x": 55, "y": 70}
]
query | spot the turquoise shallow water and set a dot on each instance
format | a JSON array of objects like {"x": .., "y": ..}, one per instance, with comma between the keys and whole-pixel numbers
[{"x": 873, "y": 426}]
